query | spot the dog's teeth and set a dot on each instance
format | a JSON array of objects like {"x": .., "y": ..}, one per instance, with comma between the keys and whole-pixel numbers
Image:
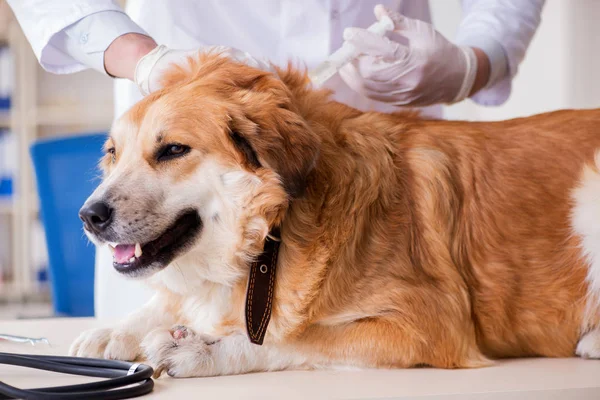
[
  {"x": 132, "y": 259},
  {"x": 112, "y": 249},
  {"x": 138, "y": 250}
]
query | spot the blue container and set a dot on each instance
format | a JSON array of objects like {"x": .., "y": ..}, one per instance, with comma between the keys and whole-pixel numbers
[
  {"x": 67, "y": 173},
  {"x": 4, "y": 103},
  {"x": 5, "y": 187}
]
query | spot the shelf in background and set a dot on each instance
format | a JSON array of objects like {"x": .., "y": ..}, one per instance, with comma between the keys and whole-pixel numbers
[
  {"x": 6, "y": 206},
  {"x": 74, "y": 115},
  {"x": 12, "y": 294},
  {"x": 4, "y": 119},
  {"x": 27, "y": 310}
]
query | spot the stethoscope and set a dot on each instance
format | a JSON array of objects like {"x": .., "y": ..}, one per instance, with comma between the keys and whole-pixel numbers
[{"x": 125, "y": 379}]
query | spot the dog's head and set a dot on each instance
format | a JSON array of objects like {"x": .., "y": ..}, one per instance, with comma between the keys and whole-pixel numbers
[{"x": 197, "y": 173}]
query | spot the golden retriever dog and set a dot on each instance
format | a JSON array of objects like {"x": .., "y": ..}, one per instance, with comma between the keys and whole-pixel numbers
[{"x": 403, "y": 241}]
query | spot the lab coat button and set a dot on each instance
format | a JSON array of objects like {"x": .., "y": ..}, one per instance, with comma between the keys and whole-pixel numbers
[
  {"x": 335, "y": 14},
  {"x": 83, "y": 38}
]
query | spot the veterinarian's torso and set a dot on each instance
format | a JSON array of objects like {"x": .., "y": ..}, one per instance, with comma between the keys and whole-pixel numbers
[{"x": 305, "y": 32}]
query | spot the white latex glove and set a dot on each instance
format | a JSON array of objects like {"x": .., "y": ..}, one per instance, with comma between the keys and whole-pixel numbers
[
  {"x": 428, "y": 70},
  {"x": 150, "y": 68}
]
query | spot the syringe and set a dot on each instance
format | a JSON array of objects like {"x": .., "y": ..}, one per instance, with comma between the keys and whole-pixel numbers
[{"x": 345, "y": 54}]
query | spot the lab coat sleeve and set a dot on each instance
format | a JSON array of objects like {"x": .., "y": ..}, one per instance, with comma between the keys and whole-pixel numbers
[
  {"x": 503, "y": 29},
  {"x": 69, "y": 36}
]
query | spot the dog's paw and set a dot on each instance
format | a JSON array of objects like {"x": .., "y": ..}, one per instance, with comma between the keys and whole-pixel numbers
[
  {"x": 106, "y": 343},
  {"x": 589, "y": 345},
  {"x": 179, "y": 351}
]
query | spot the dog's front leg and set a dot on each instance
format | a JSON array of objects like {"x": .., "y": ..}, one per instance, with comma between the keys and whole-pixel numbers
[
  {"x": 181, "y": 352},
  {"x": 123, "y": 341}
]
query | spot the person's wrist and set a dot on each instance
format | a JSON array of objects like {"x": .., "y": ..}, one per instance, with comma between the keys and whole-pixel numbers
[
  {"x": 469, "y": 72},
  {"x": 483, "y": 71},
  {"x": 123, "y": 54}
]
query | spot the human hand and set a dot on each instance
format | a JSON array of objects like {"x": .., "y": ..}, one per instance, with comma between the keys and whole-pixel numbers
[
  {"x": 150, "y": 68},
  {"x": 428, "y": 70}
]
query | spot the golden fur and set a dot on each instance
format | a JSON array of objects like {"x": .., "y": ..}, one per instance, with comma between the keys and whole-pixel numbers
[{"x": 404, "y": 241}]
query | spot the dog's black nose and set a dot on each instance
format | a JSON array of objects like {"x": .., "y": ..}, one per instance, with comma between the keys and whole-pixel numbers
[{"x": 96, "y": 216}]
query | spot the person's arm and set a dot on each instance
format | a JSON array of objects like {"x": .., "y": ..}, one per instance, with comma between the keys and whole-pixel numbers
[
  {"x": 69, "y": 36},
  {"x": 502, "y": 30},
  {"x": 482, "y": 76}
]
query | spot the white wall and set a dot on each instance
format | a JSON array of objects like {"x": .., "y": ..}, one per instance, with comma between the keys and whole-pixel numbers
[{"x": 561, "y": 67}]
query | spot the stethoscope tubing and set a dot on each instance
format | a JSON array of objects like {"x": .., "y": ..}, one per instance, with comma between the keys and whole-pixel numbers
[{"x": 121, "y": 384}]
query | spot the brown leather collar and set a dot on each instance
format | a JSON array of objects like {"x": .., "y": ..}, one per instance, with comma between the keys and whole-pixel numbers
[{"x": 261, "y": 289}]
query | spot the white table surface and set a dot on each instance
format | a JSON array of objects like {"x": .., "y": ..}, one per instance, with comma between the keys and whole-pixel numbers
[{"x": 570, "y": 378}]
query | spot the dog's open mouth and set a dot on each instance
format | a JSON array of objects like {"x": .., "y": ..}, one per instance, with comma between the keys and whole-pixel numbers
[{"x": 130, "y": 259}]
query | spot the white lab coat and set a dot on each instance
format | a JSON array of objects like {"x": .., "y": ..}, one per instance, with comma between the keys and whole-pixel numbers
[{"x": 68, "y": 36}]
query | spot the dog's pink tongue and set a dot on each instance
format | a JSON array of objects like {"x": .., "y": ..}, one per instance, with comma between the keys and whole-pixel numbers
[{"x": 124, "y": 252}]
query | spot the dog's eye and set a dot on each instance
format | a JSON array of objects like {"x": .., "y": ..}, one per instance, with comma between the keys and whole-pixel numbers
[
  {"x": 172, "y": 151},
  {"x": 113, "y": 154}
]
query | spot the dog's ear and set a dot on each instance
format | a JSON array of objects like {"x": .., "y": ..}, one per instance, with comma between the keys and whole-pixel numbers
[
  {"x": 280, "y": 140},
  {"x": 268, "y": 128},
  {"x": 275, "y": 131}
]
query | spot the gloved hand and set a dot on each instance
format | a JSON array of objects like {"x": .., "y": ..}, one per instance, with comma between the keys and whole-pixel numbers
[
  {"x": 150, "y": 68},
  {"x": 428, "y": 70}
]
